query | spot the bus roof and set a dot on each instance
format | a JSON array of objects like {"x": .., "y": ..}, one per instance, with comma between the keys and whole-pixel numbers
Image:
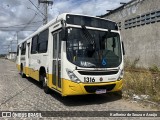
[{"x": 58, "y": 18}]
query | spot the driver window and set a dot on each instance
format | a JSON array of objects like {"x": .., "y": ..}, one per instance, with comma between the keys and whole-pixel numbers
[{"x": 111, "y": 45}]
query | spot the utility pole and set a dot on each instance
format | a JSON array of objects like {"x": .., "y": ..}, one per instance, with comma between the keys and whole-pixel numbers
[
  {"x": 11, "y": 45},
  {"x": 17, "y": 37},
  {"x": 46, "y": 4},
  {"x": 46, "y": 13}
]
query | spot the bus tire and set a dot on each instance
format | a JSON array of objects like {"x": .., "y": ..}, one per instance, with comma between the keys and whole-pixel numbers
[
  {"x": 44, "y": 83},
  {"x": 22, "y": 73}
]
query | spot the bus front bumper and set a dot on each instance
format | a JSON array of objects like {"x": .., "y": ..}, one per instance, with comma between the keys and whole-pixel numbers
[{"x": 72, "y": 88}]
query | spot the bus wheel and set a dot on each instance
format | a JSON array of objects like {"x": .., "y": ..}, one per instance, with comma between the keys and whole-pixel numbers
[
  {"x": 22, "y": 73},
  {"x": 45, "y": 87}
]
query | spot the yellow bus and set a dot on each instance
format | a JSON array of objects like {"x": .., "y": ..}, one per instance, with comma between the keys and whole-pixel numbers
[{"x": 74, "y": 55}]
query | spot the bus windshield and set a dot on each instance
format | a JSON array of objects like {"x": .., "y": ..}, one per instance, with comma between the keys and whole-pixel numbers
[{"x": 93, "y": 48}]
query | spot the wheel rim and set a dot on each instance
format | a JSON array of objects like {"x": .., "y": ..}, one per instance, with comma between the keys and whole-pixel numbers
[{"x": 44, "y": 82}]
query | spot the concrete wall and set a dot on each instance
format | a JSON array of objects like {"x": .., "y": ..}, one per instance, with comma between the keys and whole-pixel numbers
[{"x": 142, "y": 41}]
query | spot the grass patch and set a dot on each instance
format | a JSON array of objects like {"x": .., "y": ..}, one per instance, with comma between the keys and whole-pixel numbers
[
  {"x": 143, "y": 83},
  {"x": 154, "y": 68}
]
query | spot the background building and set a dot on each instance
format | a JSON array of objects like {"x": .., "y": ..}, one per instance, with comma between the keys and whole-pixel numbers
[
  {"x": 139, "y": 22},
  {"x": 12, "y": 56}
]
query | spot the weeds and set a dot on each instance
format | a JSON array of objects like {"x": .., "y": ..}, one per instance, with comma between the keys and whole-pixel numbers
[
  {"x": 154, "y": 68},
  {"x": 132, "y": 64},
  {"x": 146, "y": 82}
]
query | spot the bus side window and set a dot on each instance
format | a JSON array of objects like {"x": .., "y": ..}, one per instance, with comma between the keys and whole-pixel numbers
[
  {"x": 23, "y": 48},
  {"x": 17, "y": 50},
  {"x": 34, "y": 44},
  {"x": 54, "y": 45},
  {"x": 60, "y": 40},
  {"x": 43, "y": 42}
]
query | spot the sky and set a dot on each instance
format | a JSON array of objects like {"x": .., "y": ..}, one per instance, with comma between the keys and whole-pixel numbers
[{"x": 22, "y": 17}]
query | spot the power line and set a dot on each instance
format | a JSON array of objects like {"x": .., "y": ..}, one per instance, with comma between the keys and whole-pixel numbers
[
  {"x": 20, "y": 27},
  {"x": 36, "y": 8},
  {"x": 29, "y": 21},
  {"x": 20, "y": 24},
  {"x": 35, "y": 11},
  {"x": 17, "y": 30}
]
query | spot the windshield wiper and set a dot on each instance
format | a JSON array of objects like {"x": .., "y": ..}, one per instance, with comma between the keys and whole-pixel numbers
[
  {"x": 92, "y": 42},
  {"x": 88, "y": 35}
]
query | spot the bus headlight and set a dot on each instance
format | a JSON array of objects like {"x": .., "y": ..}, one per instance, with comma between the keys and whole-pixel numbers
[
  {"x": 72, "y": 76},
  {"x": 121, "y": 75}
]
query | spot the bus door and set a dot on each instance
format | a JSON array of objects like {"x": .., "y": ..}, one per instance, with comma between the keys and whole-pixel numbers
[{"x": 56, "y": 72}]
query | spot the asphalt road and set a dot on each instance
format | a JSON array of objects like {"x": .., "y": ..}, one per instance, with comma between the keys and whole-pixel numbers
[{"x": 26, "y": 94}]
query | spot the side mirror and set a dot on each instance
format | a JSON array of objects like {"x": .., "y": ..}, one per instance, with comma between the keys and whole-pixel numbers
[
  {"x": 63, "y": 34},
  {"x": 64, "y": 30},
  {"x": 123, "y": 48}
]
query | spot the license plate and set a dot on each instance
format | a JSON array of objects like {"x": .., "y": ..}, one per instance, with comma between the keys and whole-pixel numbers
[{"x": 101, "y": 91}]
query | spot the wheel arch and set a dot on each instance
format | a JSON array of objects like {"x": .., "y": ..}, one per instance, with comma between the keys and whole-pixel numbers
[
  {"x": 42, "y": 71},
  {"x": 21, "y": 67}
]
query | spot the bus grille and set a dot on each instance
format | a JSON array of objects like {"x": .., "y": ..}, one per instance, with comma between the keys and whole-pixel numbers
[
  {"x": 92, "y": 89},
  {"x": 97, "y": 72}
]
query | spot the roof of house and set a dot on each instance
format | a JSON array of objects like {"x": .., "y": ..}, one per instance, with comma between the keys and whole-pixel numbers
[{"x": 117, "y": 9}]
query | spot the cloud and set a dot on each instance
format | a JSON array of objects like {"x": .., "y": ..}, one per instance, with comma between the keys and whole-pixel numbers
[
  {"x": 89, "y": 7},
  {"x": 16, "y": 12}
]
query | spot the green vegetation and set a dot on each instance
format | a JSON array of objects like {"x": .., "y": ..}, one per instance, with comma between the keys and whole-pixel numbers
[
  {"x": 143, "y": 84},
  {"x": 141, "y": 81},
  {"x": 154, "y": 68}
]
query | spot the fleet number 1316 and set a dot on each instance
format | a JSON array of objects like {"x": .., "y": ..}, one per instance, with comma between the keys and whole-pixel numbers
[{"x": 89, "y": 79}]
